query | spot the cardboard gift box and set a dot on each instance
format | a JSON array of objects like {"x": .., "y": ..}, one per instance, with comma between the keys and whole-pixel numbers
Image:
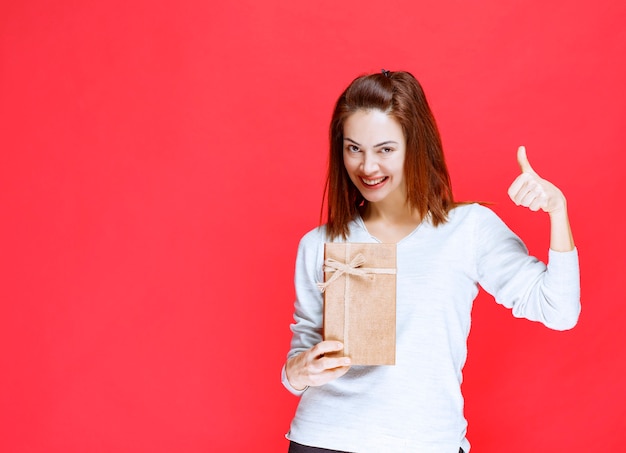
[{"x": 360, "y": 301}]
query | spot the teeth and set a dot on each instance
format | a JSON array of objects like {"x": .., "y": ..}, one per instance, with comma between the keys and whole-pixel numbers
[{"x": 373, "y": 182}]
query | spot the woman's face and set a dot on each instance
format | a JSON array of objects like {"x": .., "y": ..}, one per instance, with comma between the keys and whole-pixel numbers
[{"x": 374, "y": 147}]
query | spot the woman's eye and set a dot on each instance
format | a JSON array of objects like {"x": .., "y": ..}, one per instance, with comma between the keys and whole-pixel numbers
[
  {"x": 386, "y": 150},
  {"x": 353, "y": 149}
]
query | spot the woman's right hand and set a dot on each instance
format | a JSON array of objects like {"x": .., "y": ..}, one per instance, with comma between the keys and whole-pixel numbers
[{"x": 311, "y": 368}]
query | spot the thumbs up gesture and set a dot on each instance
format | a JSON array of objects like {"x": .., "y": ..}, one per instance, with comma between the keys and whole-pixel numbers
[{"x": 532, "y": 191}]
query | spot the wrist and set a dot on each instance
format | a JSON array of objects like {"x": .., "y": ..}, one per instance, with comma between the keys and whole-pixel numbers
[
  {"x": 560, "y": 210},
  {"x": 292, "y": 377}
]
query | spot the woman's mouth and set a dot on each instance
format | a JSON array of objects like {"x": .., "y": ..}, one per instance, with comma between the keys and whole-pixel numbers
[{"x": 373, "y": 182}]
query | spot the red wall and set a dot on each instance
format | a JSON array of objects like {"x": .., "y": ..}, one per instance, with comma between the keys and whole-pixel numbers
[{"x": 160, "y": 160}]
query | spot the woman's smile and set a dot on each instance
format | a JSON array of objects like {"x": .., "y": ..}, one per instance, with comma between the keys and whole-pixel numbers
[{"x": 374, "y": 183}]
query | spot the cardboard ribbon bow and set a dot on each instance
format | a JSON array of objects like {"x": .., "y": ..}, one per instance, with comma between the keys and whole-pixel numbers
[{"x": 352, "y": 268}]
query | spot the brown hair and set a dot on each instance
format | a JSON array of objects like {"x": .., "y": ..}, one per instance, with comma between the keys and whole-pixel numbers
[{"x": 400, "y": 96}]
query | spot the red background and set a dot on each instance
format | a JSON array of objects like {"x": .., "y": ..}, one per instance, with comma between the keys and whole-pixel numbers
[{"x": 160, "y": 161}]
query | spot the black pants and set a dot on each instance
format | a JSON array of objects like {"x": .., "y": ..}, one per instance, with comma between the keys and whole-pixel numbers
[{"x": 297, "y": 448}]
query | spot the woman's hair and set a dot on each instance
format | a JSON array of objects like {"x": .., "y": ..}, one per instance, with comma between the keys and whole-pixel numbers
[{"x": 400, "y": 96}]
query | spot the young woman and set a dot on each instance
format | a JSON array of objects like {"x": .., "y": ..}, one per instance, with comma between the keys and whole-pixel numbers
[{"x": 388, "y": 182}]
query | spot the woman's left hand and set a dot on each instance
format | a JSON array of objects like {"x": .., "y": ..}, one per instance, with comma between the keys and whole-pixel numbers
[{"x": 534, "y": 192}]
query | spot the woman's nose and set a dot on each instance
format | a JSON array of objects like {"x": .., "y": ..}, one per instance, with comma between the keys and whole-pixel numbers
[{"x": 369, "y": 164}]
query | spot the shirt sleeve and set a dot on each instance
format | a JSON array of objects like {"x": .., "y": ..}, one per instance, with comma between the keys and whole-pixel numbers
[
  {"x": 308, "y": 307},
  {"x": 547, "y": 294}
]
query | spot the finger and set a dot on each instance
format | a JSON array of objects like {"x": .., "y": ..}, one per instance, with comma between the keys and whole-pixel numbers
[
  {"x": 522, "y": 160},
  {"x": 519, "y": 186},
  {"x": 527, "y": 198},
  {"x": 328, "y": 375},
  {"x": 330, "y": 363},
  {"x": 540, "y": 201},
  {"x": 340, "y": 371},
  {"x": 327, "y": 346},
  {"x": 537, "y": 204}
]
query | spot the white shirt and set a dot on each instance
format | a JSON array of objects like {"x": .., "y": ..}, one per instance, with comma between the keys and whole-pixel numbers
[{"x": 416, "y": 405}]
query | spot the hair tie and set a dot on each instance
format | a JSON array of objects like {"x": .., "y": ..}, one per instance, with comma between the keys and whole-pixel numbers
[{"x": 385, "y": 73}]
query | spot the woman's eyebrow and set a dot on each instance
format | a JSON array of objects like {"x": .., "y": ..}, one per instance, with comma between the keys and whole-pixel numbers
[
  {"x": 386, "y": 143},
  {"x": 375, "y": 146}
]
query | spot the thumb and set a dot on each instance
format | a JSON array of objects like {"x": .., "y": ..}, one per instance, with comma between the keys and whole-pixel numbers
[{"x": 522, "y": 160}]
